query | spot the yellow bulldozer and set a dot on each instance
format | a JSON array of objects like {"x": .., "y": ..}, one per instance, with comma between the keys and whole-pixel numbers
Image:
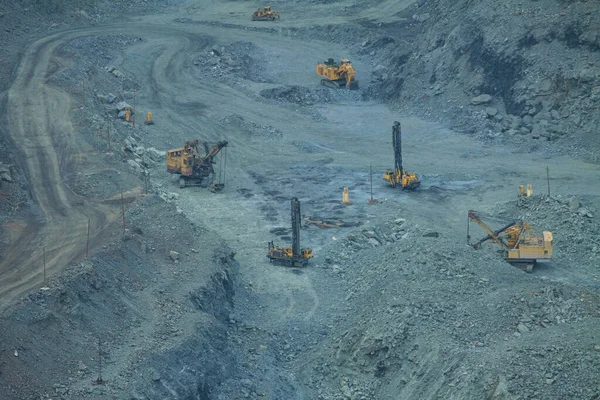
[
  {"x": 192, "y": 166},
  {"x": 337, "y": 76},
  {"x": 520, "y": 244},
  {"x": 265, "y": 14}
]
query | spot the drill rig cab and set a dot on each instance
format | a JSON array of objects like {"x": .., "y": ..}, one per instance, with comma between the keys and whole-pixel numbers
[
  {"x": 406, "y": 180},
  {"x": 191, "y": 166},
  {"x": 293, "y": 256},
  {"x": 520, "y": 244},
  {"x": 337, "y": 76}
]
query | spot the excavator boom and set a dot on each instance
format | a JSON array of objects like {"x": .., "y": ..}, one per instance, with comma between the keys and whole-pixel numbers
[
  {"x": 190, "y": 165},
  {"x": 522, "y": 246}
]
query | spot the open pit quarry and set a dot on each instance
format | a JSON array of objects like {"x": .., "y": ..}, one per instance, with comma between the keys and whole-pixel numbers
[{"x": 116, "y": 283}]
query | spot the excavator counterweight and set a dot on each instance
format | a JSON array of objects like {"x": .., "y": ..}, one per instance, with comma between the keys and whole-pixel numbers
[
  {"x": 398, "y": 176},
  {"x": 293, "y": 256}
]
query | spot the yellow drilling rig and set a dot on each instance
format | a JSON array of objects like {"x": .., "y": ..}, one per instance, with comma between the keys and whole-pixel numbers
[
  {"x": 520, "y": 244},
  {"x": 293, "y": 256},
  {"x": 398, "y": 176}
]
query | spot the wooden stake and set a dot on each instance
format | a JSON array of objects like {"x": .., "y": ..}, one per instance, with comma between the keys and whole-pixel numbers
[
  {"x": 87, "y": 246},
  {"x": 82, "y": 93}
]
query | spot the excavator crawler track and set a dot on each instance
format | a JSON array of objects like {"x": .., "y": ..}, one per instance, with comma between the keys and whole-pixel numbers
[{"x": 341, "y": 84}]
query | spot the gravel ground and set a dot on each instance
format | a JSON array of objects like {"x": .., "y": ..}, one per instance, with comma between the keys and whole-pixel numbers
[{"x": 394, "y": 304}]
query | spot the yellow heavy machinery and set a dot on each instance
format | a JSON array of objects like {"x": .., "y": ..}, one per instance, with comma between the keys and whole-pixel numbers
[
  {"x": 521, "y": 245},
  {"x": 337, "y": 75},
  {"x": 193, "y": 167},
  {"x": 293, "y": 256},
  {"x": 406, "y": 180},
  {"x": 265, "y": 14}
]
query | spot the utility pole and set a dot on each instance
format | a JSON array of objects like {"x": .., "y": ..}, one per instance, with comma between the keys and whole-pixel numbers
[
  {"x": 122, "y": 211},
  {"x": 99, "y": 380},
  {"x": 548, "y": 178},
  {"x": 87, "y": 246},
  {"x": 44, "y": 250},
  {"x": 134, "y": 92},
  {"x": 372, "y": 201}
]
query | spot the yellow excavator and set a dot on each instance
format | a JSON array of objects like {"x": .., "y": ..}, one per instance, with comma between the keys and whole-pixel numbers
[
  {"x": 293, "y": 256},
  {"x": 521, "y": 245},
  {"x": 337, "y": 76},
  {"x": 193, "y": 167},
  {"x": 398, "y": 176},
  {"x": 265, "y": 14}
]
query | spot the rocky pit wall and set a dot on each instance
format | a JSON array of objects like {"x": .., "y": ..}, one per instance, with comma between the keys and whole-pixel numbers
[
  {"x": 158, "y": 305},
  {"x": 517, "y": 71}
]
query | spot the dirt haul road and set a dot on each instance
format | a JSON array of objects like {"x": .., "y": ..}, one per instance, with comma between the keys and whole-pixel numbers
[{"x": 312, "y": 158}]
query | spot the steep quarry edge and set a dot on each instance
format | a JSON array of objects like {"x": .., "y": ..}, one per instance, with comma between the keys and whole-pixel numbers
[{"x": 155, "y": 300}]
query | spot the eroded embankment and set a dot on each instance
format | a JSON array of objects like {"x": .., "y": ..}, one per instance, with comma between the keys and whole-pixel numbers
[{"x": 156, "y": 298}]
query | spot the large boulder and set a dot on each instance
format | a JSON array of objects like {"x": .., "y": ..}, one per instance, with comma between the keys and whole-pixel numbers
[
  {"x": 481, "y": 99},
  {"x": 122, "y": 106},
  {"x": 155, "y": 155}
]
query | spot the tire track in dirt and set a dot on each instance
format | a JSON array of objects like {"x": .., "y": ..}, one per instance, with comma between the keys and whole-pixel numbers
[
  {"x": 38, "y": 121},
  {"x": 48, "y": 148}
]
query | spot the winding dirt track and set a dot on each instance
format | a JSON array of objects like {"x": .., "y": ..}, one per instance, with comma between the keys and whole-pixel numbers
[
  {"x": 49, "y": 148},
  {"x": 39, "y": 124}
]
